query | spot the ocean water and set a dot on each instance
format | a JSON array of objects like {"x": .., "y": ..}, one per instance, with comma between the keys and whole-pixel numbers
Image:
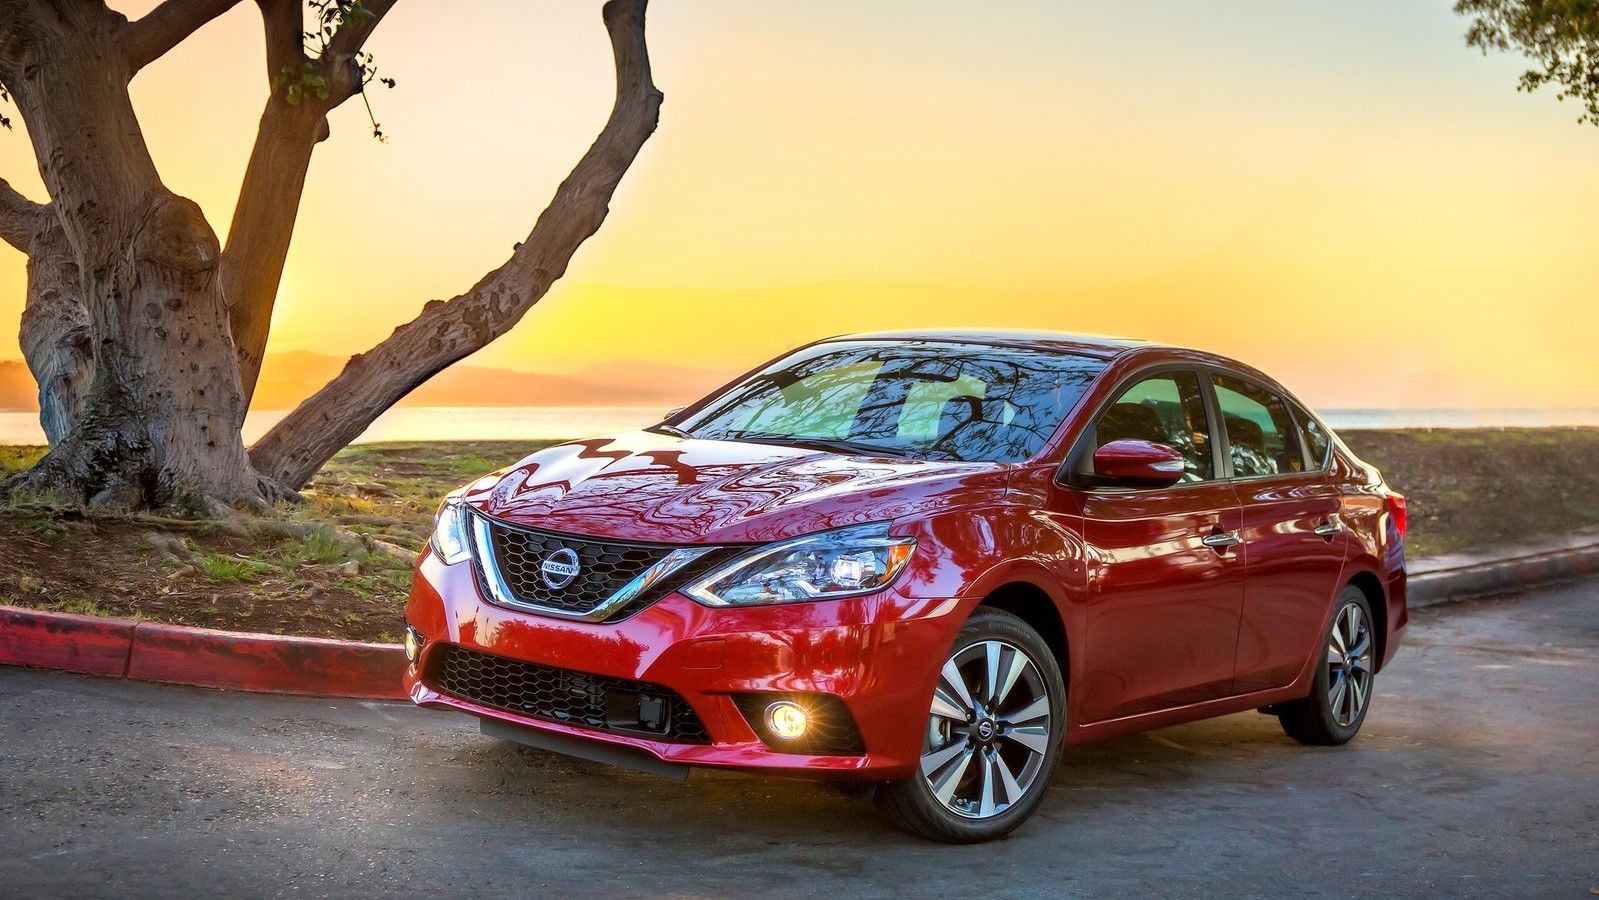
[{"x": 512, "y": 423}]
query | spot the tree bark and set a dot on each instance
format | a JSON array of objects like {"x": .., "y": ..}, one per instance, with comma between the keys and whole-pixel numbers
[
  {"x": 448, "y": 331},
  {"x": 55, "y": 334},
  {"x": 55, "y": 326},
  {"x": 157, "y": 424}
]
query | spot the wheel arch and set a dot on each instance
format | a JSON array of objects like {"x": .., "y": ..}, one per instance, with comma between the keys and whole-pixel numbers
[
  {"x": 1033, "y": 605},
  {"x": 1377, "y": 598}
]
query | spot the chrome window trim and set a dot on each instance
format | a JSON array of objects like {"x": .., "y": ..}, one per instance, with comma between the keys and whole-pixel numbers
[{"x": 500, "y": 592}]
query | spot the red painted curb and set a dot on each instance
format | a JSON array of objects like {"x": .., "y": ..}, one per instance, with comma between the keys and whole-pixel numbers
[
  {"x": 50, "y": 640},
  {"x": 176, "y": 654}
]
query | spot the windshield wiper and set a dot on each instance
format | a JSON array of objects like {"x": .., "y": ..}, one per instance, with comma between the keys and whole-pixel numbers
[
  {"x": 672, "y": 430},
  {"x": 819, "y": 443}
]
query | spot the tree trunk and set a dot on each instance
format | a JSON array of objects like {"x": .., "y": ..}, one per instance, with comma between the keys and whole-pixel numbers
[
  {"x": 158, "y": 422},
  {"x": 55, "y": 333},
  {"x": 55, "y": 326},
  {"x": 447, "y": 332}
]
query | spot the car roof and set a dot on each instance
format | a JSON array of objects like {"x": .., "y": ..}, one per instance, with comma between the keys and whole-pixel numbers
[{"x": 1094, "y": 345}]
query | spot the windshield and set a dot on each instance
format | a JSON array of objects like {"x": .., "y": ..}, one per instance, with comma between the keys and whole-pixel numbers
[{"x": 920, "y": 399}]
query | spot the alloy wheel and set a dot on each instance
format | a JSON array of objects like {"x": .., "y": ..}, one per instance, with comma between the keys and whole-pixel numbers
[
  {"x": 1349, "y": 671},
  {"x": 988, "y": 730}
]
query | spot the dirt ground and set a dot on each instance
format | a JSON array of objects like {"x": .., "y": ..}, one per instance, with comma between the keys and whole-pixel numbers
[
  {"x": 319, "y": 569},
  {"x": 328, "y": 567},
  {"x": 1478, "y": 487}
]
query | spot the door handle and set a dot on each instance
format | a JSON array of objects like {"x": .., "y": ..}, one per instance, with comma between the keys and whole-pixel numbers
[
  {"x": 1221, "y": 540},
  {"x": 1329, "y": 528}
]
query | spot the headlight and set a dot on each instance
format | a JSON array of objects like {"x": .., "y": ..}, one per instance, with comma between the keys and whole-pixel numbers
[
  {"x": 843, "y": 563},
  {"x": 452, "y": 539}
]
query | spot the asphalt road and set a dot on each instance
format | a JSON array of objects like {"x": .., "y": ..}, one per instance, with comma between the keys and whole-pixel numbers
[{"x": 1477, "y": 774}]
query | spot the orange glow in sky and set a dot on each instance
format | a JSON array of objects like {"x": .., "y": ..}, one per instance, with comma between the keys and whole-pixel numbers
[{"x": 1342, "y": 194}]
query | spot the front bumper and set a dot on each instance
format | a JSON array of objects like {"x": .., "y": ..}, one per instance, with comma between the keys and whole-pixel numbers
[{"x": 878, "y": 654}]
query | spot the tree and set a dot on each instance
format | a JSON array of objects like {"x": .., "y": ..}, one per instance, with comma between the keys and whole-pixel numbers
[
  {"x": 146, "y": 334},
  {"x": 1559, "y": 37}
]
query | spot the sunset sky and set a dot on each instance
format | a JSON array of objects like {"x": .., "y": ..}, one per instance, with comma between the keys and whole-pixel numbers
[{"x": 1343, "y": 194}]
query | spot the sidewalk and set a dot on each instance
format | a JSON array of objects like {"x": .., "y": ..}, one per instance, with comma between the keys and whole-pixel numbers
[{"x": 1452, "y": 576}]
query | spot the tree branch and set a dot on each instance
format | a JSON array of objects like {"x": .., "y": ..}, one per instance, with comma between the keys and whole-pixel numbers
[
  {"x": 447, "y": 332},
  {"x": 166, "y": 26},
  {"x": 342, "y": 72},
  {"x": 283, "y": 24},
  {"x": 351, "y": 38},
  {"x": 20, "y": 217},
  {"x": 274, "y": 180}
]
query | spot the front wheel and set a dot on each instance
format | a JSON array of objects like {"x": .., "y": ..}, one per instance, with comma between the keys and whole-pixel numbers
[
  {"x": 1341, "y": 691},
  {"x": 993, "y": 736}
]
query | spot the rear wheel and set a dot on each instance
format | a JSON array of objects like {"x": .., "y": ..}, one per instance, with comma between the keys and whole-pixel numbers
[
  {"x": 993, "y": 735},
  {"x": 1341, "y": 692}
]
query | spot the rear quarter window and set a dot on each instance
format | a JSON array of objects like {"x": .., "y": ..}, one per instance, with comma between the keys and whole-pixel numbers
[{"x": 1317, "y": 443}]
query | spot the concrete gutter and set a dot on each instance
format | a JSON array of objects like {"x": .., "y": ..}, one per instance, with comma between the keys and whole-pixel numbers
[{"x": 1456, "y": 576}]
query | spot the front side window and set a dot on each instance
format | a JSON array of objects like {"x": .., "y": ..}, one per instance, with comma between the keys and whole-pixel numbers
[
  {"x": 920, "y": 399},
  {"x": 1260, "y": 431},
  {"x": 1163, "y": 409}
]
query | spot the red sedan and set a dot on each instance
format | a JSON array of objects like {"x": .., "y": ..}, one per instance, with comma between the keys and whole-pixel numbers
[{"x": 922, "y": 560}]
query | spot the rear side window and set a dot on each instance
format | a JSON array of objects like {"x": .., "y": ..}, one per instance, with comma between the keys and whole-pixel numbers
[
  {"x": 1315, "y": 437},
  {"x": 1260, "y": 432},
  {"x": 1164, "y": 409}
]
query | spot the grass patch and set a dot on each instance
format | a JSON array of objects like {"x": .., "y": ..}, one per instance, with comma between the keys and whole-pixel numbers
[
  {"x": 1467, "y": 488},
  {"x": 16, "y": 458},
  {"x": 231, "y": 569},
  {"x": 73, "y": 605},
  {"x": 322, "y": 546}
]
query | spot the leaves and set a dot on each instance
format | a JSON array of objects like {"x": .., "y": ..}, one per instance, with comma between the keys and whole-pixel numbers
[
  {"x": 331, "y": 16},
  {"x": 309, "y": 80},
  {"x": 297, "y": 84},
  {"x": 1559, "y": 37}
]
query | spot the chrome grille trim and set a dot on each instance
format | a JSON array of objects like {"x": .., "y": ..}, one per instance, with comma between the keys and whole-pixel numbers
[{"x": 488, "y": 567}]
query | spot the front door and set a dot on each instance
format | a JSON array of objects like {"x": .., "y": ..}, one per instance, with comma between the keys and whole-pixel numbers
[{"x": 1165, "y": 567}]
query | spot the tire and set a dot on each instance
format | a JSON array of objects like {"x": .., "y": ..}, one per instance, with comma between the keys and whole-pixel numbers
[
  {"x": 1010, "y": 745},
  {"x": 1330, "y": 716}
]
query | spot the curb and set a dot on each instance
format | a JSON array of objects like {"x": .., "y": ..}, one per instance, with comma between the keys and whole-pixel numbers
[
  {"x": 323, "y": 667},
  {"x": 178, "y": 654},
  {"x": 1459, "y": 576}
]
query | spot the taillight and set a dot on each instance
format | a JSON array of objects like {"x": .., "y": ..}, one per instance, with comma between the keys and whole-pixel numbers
[{"x": 1396, "y": 511}]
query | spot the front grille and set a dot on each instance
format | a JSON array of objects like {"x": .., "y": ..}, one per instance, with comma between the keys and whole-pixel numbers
[
  {"x": 604, "y": 566},
  {"x": 562, "y": 695}
]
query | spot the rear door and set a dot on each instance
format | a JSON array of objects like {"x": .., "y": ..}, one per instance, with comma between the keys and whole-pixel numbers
[
  {"x": 1165, "y": 576},
  {"x": 1291, "y": 530}
]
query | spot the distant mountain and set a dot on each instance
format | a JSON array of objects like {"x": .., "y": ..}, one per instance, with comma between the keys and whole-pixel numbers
[
  {"x": 288, "y": 378},
  {"x": 17, "y": 390}
]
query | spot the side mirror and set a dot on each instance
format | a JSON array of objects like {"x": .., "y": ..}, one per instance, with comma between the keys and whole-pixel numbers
[
  {"x": 1130, "y": 463},
  {"x": 672, "y": 413}
]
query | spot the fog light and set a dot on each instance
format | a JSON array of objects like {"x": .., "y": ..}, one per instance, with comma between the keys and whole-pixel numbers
[
  {"x": 413, "y": 645},
  {"x": 787, "y": 720}
]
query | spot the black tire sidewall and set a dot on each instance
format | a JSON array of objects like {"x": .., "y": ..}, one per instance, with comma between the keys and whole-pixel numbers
[{"x": 1323, "y": 705}]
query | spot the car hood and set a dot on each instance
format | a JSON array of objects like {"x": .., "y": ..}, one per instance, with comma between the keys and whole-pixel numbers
[{"x": 647, "y": 487}]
